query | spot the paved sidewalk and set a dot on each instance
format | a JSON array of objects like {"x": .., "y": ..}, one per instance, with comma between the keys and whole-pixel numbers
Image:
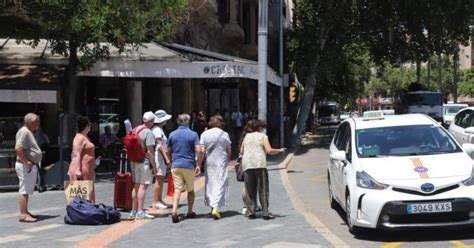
[{"x": 289, "y": 229}]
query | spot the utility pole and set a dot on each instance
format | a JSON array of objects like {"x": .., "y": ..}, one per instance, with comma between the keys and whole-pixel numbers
[
  {"x": 282, "y": 103},
  {"x": 262, "y": 58}
]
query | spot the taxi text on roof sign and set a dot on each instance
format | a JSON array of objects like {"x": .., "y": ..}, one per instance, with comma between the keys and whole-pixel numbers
[{"x": 373, "y": 115}]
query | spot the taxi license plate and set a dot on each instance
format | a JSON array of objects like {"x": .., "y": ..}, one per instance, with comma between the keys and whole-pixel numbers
[{"x": 437, "y": 207}]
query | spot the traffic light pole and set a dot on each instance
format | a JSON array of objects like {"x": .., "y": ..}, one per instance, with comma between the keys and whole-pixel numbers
[
  {"x": 262, "y": 58},
  {"x": 282, "y": 105}
]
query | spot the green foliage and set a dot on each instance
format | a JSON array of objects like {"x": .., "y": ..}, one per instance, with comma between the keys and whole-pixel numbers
[
  {"x": 390, "y": 80},
  {"x": 391, "y": 33},
  {"x": 466, "y": 85},
  {"x": 411, "y": 30},
  {"x": 86, "y": 25}
]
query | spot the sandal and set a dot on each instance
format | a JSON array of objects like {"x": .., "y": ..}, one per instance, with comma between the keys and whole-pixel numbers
[
  {"x": 191, "y": 215},
  {"x": 175, "y": 218},
  {"x": 33, "y": 216},
  {"x": 27, "y": 219},
  {"x": 269, "y": 217}
]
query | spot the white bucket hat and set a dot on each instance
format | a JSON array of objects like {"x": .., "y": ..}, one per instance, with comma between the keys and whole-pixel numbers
[{"x": 162, "y": 116}]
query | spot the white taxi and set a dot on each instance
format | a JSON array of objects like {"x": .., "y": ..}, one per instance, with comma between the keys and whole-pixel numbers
[{"x": 400, "y": 171}]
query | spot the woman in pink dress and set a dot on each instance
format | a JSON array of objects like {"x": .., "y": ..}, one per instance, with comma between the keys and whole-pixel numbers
[{"x": 82, "y": 158}]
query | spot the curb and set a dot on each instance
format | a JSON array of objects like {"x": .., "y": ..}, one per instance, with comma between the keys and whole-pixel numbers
[{"x": 298, "y": 204}]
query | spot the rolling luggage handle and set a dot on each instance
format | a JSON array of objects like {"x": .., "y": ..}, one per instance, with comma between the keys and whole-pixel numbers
[{"x": 123, "y": 161}]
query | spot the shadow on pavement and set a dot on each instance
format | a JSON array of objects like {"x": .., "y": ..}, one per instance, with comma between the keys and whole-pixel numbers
[{"x": 47, "y": 217}]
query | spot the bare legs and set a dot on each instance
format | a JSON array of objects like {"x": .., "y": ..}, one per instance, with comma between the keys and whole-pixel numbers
[{"x": 138, "y": 196}]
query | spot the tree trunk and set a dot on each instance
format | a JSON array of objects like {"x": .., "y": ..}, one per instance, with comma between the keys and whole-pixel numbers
[
  {"x": 71, "y": 91},
  {"x": 440, "y": 75},
  {"x": 454, "y": 86},
  {"x": 305, "y": 106},
  {"x": 418, "y": 70},
  {"x": 428, "y": 71}
]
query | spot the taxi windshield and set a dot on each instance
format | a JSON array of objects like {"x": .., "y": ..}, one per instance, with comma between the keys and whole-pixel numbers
[{"x": 404, "y": 141}]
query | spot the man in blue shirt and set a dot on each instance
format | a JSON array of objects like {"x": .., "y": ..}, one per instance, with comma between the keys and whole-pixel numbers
[{"x": 185, "y": 152}]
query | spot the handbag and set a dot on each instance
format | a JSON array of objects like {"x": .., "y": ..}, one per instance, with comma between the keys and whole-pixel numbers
[
  {"x": 78, "y": 188},
  {"x": 239, "y": 172},
  {"x": 83, "y": 212}
]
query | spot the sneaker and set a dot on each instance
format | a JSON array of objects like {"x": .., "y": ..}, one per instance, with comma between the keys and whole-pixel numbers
[
  {"x": 215, "y": 214},
  {"x": 132, "y": 215},
  {"x": 160, "y": 205},
  {"x": 142, "y": 215}
]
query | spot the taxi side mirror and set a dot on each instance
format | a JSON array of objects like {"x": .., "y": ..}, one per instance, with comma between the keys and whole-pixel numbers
[
  {"x": 339, "y": 155},
  {"x": 469, "y": 130},
  {"x": 469, "y": 148}
]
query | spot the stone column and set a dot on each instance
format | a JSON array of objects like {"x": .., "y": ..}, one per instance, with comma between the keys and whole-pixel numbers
[{"x": 134, "y": 101}]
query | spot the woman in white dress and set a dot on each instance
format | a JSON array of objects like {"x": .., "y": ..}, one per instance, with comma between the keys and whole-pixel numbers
[{"x": 217, "y": 146}]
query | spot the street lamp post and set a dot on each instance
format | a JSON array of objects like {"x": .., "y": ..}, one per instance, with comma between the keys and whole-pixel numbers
[
  {"x": 282, "y": 107},
  {"x": 262, "y": 58}
]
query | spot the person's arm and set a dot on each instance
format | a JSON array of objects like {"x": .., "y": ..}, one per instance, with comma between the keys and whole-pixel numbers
[
  {"x": 20, "y": 152},
  {"x": 198, "y": 149},
  {"x": 169, "y": 151},
  {"x": 77, "y": 147},
  {"x": 163, "y": 150},
  {"x": 151, "y": 157},
  {"x": 268, "y": 148}
]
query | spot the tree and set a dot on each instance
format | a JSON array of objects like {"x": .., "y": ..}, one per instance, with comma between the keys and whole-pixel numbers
[
  {"x": 466, "y": 85},
  {"x": 312, "y": 24},
  {"x": 393, "y": 30},
  {"x": 78, "y": 29}
]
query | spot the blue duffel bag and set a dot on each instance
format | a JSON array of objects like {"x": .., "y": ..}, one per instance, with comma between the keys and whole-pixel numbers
[{"x": 83, "y": 212}]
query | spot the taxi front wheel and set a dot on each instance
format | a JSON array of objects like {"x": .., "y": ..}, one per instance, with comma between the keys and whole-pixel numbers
[
  {"x": 354, "y": 230},
  {"x": 332, "y": 201}
]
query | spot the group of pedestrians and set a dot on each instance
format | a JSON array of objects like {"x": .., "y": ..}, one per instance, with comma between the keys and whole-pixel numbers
[{"x": 183, "y": 152}]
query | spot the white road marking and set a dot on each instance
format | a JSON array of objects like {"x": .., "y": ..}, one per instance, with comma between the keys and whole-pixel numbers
[
  {"x": 289, "y": 244},
  {"x": 42, "y": 228},
  {"x": 13, "y": 238},
  {"x": 223, "y": 243},
  {"x": 5, "y": 216},
  {"x": 267, "y": 227},
  {"x": 299, "y": 206}
]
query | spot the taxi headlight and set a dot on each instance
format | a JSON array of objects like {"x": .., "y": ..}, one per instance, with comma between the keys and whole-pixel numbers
[
  {"x": 367, "y": 182},
  {"x": 469, "y": 181}
]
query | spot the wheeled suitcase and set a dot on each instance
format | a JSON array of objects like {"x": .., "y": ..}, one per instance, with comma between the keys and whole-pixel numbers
[
  {"x": 170, "y": 191},
  {"x": 123, "y": 186}
]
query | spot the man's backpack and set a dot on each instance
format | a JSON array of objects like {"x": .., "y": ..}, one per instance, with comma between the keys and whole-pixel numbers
[{"x": 133, "y": 145}]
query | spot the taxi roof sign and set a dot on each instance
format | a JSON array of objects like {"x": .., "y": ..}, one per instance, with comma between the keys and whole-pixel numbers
[{"x": 373, "y": 115}]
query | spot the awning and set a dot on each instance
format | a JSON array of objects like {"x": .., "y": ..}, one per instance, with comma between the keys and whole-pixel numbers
[
  {"x": 160, "y": 69},
  {"x": 30, "y": 83},
  {"x": 32, "y": 77},
  {"x": 150, "y": 61},
  {"x": 28, "y": 96}
]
